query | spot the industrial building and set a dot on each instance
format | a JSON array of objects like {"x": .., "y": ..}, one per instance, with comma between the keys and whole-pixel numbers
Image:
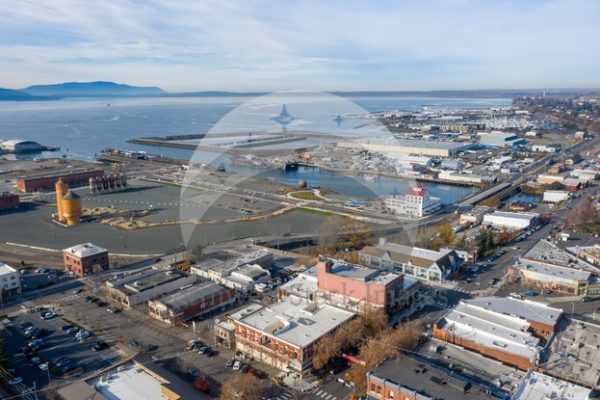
[
  {"x": 10, "y": 280},
  {"x": 548, "y": 179},
  {"x": 353, "y": 287},
  {"x": 390, "y": 145},
  {"x": 43, "y": 181},
  {"x": 472, "y": 179},
  {"x": 149, "y": 283},
  {"x": 416, "y": 203},
  {"x": 68, "y": 204},
  {"x": 85, "y": 259},
  {"x": 475, "y": 216},
  {"x": 9, "y": 201},
  {"x": 510, "y": 220},
  {"x": 547, "y": 276},
  {"x": 537, "y": 386},
  {"x": 556, "y": 196},
  {"x": 284, "y": 334},
  {"x": 509, "y": 330},
  {"x": 189, "y": 302},
  {"x": 21, "y": 146},
  {"x": 500, "y": 139},
  {"x": 242, "y": 271},
  {"x": 422, "y": 264},
  {"x": 406, "y": 378}
]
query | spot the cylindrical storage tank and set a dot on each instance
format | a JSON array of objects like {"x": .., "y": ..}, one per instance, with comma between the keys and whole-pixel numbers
[
  {"x": 92, "y": 185},
  {"x": 71, "y": 206},
  {"x": 111, "y": 181},
  {"x": 123, "y": 180},
  {"x": 61, "y": 189},
  {"x": 105, "y": 182}
]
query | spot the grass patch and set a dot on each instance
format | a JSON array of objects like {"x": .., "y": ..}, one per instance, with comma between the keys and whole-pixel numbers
[
  {"x": 304, "y": 195},
  {"x": 313, "y": 211},
  {"x": 69, "y": 322}
]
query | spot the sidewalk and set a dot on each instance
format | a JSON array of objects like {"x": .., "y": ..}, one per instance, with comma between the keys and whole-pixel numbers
[{"x": 299, "y": 385}]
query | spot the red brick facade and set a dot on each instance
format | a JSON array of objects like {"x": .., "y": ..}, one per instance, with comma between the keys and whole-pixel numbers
[
  {"x": 8, "y": 201},
  {"x": 35, "y": 183},
  {"x": 86, "y": 265}
]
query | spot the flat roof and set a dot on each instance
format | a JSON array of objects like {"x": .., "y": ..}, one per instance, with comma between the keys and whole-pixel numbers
[
  {"x": 425, "y": 382},
  {"x": 6, "y": 269},
  {"x": 60, "y": 172},
  {"x": 520, "y": 308},
  {"x": 515, "y": 215},
  {"x": 538, "y": 386},
  {"x": 419, "y": 252},
  {"x": 191, "y": 295},
  {"x": 85, "y": 250},
  {"x": 553, "y": 271},
  {"x": 294, "y": 320},
  {"x": 128, "y": 383},
  {"x": 147, "y": 278},
  {"x": 491, "y": 330}
]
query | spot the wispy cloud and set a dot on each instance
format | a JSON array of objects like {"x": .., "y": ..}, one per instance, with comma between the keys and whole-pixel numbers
[{"x": 270, "y": 45}]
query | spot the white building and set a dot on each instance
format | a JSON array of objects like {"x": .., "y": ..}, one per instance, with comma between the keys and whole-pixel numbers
[
  {"x": 555, "y": 196},
  {"x": 10, "y": 282},
  {"x": 510, "y": 220},
  {"x": 536, "y": 386},
  {"x": 416, "y": 203}
]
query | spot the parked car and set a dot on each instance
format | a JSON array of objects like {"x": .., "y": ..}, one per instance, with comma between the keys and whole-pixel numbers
[
  {"x": 77, "y": 291},
  {"x": 516, "y": 295},
  {"x": 112, "y": 310},
  {"x": 66, "y": 327},
  {"x": 237, "y": 365},
  {"x": 59, "y": 362},
  {"x": 190, "y": 344},
  {"x": 229, "y": 363},
  {"x": 202, "y": 350},
  {"x": 100, "y": 345},
  {"x": 48, "y": 315},
  {"x": 44, "y": 366},
  {"x": 72, "y": 330},
  {"x": 193, "y": 372},
  {"x": 36, "y": 360},
  {"x": 530, "y": 293},
  {"x": 492, "y": 281},
  {"x": 35, "y": 343},
  {"x": 82, "y": 334},
  {"x": 244, "y": 368},
  {"x": 15, "y": 381}
]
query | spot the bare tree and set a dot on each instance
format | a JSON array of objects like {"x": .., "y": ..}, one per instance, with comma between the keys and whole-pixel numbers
[{"x": 241, "y": 387}]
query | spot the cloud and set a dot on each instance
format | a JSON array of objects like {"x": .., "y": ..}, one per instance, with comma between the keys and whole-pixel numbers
[{"x": 270, "y": 45}]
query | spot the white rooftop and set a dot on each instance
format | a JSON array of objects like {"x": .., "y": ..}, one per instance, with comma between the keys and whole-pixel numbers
[
  {"x": 523, "y": 309},
  {"x": 538, "y": 386},
  {"x": 553, "y": 271},
  {"x": 516, "y": 215},
  {"x": 294, "y": 320},
  {"x": 85, "y": 250},
  {"x": 6, "y": 269},
  {"x": 412, "y": 251},
  {"x": 130, "y": 383},
  {"x": 492, "y": 330}
]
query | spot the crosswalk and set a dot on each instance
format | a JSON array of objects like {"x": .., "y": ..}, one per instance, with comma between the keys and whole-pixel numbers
[
  {"x": 321, "y": 394},
  {"x": 67, "y": 298},
  {"x": 281, "y": 396}
]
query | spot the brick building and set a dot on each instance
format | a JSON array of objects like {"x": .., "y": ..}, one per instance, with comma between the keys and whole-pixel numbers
[
  {"x": 191, "y": 301},
  {"x": 509, "y": 330},
  {"x": 46, "y": 180},
  {"x": 85, "y": 259},
  {"x": 284, "y": 334},
  {"x": 9, "y": 201}
]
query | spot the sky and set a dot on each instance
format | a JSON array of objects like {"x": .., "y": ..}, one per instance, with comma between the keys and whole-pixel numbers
[{"x": 260, "y": 45}]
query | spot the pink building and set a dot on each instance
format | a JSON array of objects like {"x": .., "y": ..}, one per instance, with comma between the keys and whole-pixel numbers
[{"x": 362, "y": 287}]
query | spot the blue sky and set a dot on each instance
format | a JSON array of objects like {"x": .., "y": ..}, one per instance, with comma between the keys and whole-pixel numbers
[{"x": 307, "y": 45}]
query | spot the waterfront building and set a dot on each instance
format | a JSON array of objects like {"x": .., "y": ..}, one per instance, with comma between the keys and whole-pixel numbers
[
  {"x": 42, "y": 181},
  {"x": 422, "y": 264},
  {"x": 509, "y": 330},
  {"x": 85, "y": 259},
  {"x": 556, "y": 196},
  {"x": 391, "y": 145},
  {"x": 20, "y": 146},
  {"x": 284, "y": 334},
  {"x": 10, "y": 280},
  {"x": 416, "y": 203}
]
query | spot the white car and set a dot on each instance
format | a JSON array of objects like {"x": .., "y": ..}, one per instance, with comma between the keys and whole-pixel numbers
[
  {"x": 82, "y": 334},
  {"x": 43, "y": 367},
  {"x": 237, "y": 365},
  {"x": 15, "y": 381}
]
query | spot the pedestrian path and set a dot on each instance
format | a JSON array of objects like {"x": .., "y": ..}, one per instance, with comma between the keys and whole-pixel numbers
[
  {"x": 322, "y": 394},
  {"x": 281, "y": 396}
]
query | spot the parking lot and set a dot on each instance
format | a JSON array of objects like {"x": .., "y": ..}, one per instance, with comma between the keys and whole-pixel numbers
[{"x": 77, "y": 356}]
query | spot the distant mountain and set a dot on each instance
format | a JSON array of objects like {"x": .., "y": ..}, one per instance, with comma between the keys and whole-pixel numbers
[
  {"x": 91, "y": 89},
  {"x": 19, "y": 95}
]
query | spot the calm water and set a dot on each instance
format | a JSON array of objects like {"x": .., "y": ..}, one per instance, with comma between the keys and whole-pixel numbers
[{"x": 82, "y": 127}]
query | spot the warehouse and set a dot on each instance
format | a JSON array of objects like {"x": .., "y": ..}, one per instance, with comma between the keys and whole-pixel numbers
[
  {"x": 510, "y": 220},
  {"x": 557, "y": 278},
  {"x": 555, "y": 196},
  {"x": 500, "y": 139},
  {"x": 21, "y": 146},
  {"x": 433, "y": 148},
  {"x": 189, "y": 302},
  {"x": 46, "y": 180}
]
